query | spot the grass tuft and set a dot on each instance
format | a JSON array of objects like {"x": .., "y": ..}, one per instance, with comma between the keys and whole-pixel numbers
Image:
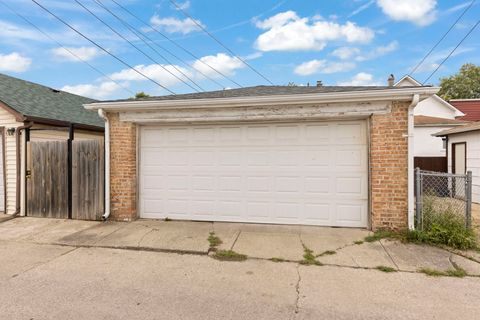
[
  {"x": 229, "y": 255},
  {"x": 214, "y": 240},
  {"x": 386, "y": 269},
  {"x": 327, "y": 253},
  {"x": 381, "y": 234},
  {"x": 457, "y": 272},
  {"x": 275, "y": 259},
  {"x": 358, "y": 242},
  {"x": 309, "y": 258}
]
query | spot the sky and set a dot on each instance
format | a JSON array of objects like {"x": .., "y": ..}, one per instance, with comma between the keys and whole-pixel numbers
[{"x": 356, "y": 42}]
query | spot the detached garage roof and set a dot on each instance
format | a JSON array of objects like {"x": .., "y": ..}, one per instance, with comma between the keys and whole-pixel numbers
[
  {"x": 470, "y": 107},
  {"x": 269, "y": 95},
  {"x": 426, "y": 121},
  {"x": 32, "y": 101}
]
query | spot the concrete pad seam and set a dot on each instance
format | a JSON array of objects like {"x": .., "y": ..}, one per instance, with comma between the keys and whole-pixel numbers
[
  {"x": 109, "y": 234},
  {"x": 389, "y": 255},
  {"x": 44, "y": 263},
  {"x": 143, "y": 237},
  {"x": 235, "y": 241}
]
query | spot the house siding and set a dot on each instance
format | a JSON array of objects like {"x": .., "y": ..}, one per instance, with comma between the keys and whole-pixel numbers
[
  {"x": 7, "y": 120},
  {"x": 473, "y": 158}
]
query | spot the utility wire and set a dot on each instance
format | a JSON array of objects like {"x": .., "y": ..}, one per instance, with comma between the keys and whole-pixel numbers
[
  {"x": 443, "y": 37},
  {"x": 451, "y": 52},
  {"x": 65, "y": 48},
  {"x": 101, "y": 48},
  {"x": 133, "y": 45},
  {"x": 218, "y": 41},
  {"x": 177, "y": 44},
  {"x": 141, "y": 37}
]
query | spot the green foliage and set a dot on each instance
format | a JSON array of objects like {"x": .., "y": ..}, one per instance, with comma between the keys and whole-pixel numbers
[
  {"x": 457, "y": 272},
  {"x": 229, "y": 255},
  {"x": 309, "y": 258},
  {"x": 274, "y": 259},
  {"x": 214, "y": 240},
  {"x": 442, "y": 226},
  {"x": 141, "y": 95},
  {"x": 381, "y": 234},
  {"x": 386, "y": 269},
  {"x": 327, "y": 253},
  {"x": 358, "y": 242},
  {"x": 463, "y": 85}
]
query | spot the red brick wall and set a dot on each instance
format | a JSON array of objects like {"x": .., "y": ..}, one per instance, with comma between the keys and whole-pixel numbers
[
  {"x": 389, "y": 168},
  {"x": 123, "y": 169}
]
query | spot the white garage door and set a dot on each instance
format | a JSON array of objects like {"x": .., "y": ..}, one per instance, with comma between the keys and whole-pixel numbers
[{"x": 312, "y": 173}]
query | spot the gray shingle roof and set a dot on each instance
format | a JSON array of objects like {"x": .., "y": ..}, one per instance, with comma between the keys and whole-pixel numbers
[
  {"x": 34, "y": 100},
  {"x": 264, "y": 91}
]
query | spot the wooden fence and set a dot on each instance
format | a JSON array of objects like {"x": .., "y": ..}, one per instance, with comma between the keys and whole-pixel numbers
[{"x": 48, "y": 182}]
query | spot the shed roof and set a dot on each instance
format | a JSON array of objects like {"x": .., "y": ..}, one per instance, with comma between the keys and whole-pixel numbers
[
  {"x": 435, "y": 121},
  {"x": 474, "y": 126},
  {"x": 33, "y": 100}
]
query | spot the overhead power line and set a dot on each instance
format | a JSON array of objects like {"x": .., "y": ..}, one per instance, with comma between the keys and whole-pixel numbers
[
  {"x": 101, "y": 48},
  {"x": 453, "y": 50},
  {"x": 65, "y": 48},
  {"x": 140, "y": 36},
  {"x": 218, "y": 41},
  {"x": 177, "y": 45},
  {"x": 443, "y": 37},
  {"x": 134, "y": 46}
]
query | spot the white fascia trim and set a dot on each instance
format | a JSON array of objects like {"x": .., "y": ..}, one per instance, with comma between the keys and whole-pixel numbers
[
  {"x": 458, "y": 113},
  {"x": 292, "y": 99}
]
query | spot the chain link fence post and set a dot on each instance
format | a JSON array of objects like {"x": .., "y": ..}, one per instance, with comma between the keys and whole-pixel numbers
[
  {"x": 468, "y": 199},
  {"x": 418, "y": 198}
]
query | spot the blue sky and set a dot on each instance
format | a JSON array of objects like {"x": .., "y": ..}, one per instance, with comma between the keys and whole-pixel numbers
[{"x": 356, "y": 42}]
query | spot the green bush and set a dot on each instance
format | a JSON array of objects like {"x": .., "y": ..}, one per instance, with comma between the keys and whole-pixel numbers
[{"x": 442, "y": 226}]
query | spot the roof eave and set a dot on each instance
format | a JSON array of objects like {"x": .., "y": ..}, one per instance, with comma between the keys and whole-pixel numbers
[{"x": 336, "y": 97}]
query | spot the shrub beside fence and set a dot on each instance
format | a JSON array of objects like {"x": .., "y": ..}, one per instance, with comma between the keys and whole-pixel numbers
[{"x": 442, "y": 199}]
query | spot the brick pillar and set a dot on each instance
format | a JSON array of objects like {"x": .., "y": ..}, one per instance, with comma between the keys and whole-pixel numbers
[
  {"x": 389, "y": 168},
  {"x": 123, "y": 169}
]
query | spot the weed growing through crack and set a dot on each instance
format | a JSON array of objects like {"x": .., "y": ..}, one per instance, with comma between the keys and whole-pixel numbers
[
  {"x": 309, "y": 258},
  {"x": 385, "y": 269},
  {"x": 358, "y": 242},
  {"x": 275, "y": 259},
  {"x": 458, "y": 273},
  {"x": 214, "y": 241},
  {"x": 229, "y": 255}
]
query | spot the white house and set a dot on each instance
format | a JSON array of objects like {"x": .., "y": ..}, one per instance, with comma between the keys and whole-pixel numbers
[
  {"x": 431, "y": 116},
  {"x": 464, "y": 153}
]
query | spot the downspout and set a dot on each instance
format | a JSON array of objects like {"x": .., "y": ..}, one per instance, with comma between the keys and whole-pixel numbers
[
  {"x": 410, "y": 137},
  {"x": 102, "y": 115},
  {"x": 18, "y": 169}
]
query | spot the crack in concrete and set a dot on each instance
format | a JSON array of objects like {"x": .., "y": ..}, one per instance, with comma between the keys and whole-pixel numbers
[
  {"x": 389, "y": 255},
  {"x": 297, "y": 289},
  {"x": 143, "y": 237},
  {"x": 235, "y": 241}
]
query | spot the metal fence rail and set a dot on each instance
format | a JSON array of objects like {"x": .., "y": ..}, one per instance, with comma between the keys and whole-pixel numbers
[{"x": 442, "y": 197}]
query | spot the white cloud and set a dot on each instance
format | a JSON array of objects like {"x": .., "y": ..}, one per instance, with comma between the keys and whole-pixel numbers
[
  {"x": 222, "y": 62},
  {"x": 101, "y": 91},
  {"x": 84, "y": 53},
  {"x": 9, "y": 30},
  {"x": 419, "y": 12},
  {"x": 153, "y": 71},
  {"x": 378, "y": 51},
  {"x": 14, "y": 62},
  {"x": 322, "y": 66},
  {"x": 286, "y": 31},
  {"x": 360, "y": 79},
  {"x": 345, "y": 52},
  {"x": 175, "y": 25}
]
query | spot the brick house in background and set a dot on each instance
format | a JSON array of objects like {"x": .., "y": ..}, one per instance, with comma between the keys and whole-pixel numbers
[{"x": 332, "y": 156}]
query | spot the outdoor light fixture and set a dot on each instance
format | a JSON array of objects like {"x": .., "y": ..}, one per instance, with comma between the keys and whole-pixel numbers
[{"x": 11, "y": 131}]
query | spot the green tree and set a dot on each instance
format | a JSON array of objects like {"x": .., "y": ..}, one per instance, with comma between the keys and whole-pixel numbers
[
  {"x": 141, "y": 94},
  {"x": 463, "y": 85}
]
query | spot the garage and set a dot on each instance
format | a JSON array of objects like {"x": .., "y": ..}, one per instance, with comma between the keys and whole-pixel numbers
[{"x": 312, "y": 173}]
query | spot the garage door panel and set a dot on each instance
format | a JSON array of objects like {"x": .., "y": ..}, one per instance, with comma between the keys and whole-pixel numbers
[{"x": 295, "y": 173}]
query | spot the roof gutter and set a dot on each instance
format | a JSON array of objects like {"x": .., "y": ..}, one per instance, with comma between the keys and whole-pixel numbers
[{"x": 397, "y": 94}]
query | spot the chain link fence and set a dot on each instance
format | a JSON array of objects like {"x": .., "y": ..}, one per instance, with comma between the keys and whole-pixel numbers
[{"x": 442, "y": 198}]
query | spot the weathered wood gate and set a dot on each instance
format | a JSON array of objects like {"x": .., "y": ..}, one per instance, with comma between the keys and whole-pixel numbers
[{"x": 52, "y": 175}]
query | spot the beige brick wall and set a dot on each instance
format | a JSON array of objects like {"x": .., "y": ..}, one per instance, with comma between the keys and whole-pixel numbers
[
  {"x": 123, "y": 169},
  {"x": 389, "y": 168}
]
